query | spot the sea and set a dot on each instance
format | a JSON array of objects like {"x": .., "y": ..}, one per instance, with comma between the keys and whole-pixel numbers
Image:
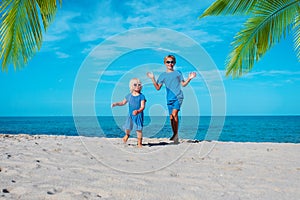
[{"x": 275, "y": 129}]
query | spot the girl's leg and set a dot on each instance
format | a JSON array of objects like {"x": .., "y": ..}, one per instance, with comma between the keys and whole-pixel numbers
[
  {"x": 127, "y": 134},
  {"x": 139, "y": 138}
]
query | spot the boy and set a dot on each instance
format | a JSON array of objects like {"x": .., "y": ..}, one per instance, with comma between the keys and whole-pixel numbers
[{"x": 173, "y": 80}]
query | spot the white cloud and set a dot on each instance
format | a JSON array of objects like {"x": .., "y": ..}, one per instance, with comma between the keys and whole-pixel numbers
[
  {"x": 103, "y": 81},
  {"x": 111, "y": 72},
  {"x": 99, "y": 28},
  {"x": 52, "y": 38},
  {"x": 181, "y": 16},
  {"x": 61, "y": 26},
  {"x": 283, "y": 72},
  {"x": 62, "y": 55},
  {"x": 203, "y": 36},
  {"x": 156, "y": 39},
  {"x": 108, "y": 18},
  {"x": 88, "y": 49},
  {"x": 272, "y": 73}
]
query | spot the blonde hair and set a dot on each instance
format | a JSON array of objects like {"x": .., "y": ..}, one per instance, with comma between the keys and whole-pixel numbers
[
  {"x": 132, "y": 81},
  {"x": 170, "y": 56}
]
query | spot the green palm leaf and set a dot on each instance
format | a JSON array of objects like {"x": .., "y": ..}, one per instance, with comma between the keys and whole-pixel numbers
[
  {"x": 48, "y": 11},
  {"x": 21, "y": 32},
  {"x": 269, "y": 21},
  {"x": 230, "y": 7},
  {"x": 296, "y": 29}
]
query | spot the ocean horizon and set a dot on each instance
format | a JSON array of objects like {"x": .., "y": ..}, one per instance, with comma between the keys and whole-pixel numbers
[{"x": 275, "y": 129}]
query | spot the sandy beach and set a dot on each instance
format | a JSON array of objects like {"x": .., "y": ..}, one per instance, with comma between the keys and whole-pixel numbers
[{"x": 60, "y": 167}]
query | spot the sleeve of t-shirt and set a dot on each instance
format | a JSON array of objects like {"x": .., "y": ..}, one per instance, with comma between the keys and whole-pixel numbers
[
  {"x": 180, "y": 76},
  {"x": 143, "y": 97},
  {"x": 127, "y": 97},
  {"x": 160, "y": 79}
]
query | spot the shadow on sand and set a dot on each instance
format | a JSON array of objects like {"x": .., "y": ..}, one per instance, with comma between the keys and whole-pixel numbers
[{"x": 150, "y": 144}]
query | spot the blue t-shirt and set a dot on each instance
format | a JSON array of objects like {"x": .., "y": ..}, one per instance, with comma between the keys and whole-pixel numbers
[
  {"x": 134, "y": 102},
  {"x": 172, "y": 81}
]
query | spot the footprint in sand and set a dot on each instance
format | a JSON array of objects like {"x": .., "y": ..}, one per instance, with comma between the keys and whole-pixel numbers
[{"x": 54, "y": 191}]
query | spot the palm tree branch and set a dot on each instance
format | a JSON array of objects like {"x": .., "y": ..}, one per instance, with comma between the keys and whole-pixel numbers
[
  {"x": 48, "y": 10},
  {"x": 255, "y": 39},
  {"x": 296, "y": 29},
  {"x": 229, "y": 7},
  {"x": 20, "y": 30}
]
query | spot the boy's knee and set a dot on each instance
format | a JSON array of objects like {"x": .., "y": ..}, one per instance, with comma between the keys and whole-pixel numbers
[{"x": 175, "y": 113}]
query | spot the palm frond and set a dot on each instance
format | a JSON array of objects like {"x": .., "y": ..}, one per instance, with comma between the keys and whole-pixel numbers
[
  {"x": 16, "y": 32},
  {"x": 229, "y": 7},
  {"x": 271, "y": 21},
  {"x": 296, "y": 29},
  {"x": 20, "y": 30},
  {"x": 48, "y": 10}
]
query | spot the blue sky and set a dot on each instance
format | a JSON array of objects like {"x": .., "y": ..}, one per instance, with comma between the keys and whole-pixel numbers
[{"x": 47, "y": 84}]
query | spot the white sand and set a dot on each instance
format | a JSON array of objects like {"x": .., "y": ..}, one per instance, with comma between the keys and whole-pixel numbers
[{"x": 58, "y": 167}]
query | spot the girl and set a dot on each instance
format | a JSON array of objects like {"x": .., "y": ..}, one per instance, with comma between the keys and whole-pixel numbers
[{"x": 136, "y": 103}]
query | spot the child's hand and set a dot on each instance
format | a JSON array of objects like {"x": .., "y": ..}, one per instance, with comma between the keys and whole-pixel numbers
[
  {"x": 113, "y": 105},
  {"x": 192, "y": 75},
  {"x": 150, "y": 75},
  {"x": 135, "y": 112}
]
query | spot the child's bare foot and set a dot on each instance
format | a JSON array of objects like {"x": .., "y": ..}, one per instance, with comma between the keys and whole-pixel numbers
[
  {"x": 175, "y": 139},
  {"x": 125, "y": 138},
  {"x": 174, "y": 136},
  {"x": 139, "y": 143}
]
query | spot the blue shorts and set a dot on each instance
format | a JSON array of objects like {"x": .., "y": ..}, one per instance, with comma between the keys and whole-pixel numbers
[{"x": 174, "y": 105}]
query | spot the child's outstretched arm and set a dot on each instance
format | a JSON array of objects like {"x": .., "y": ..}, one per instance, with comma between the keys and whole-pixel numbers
[
  {"x": 191, "y": 76},
  {"x": 121, "y": 103},
  {"x": 152, "y": 77},
  {"x": 135, "y": 112}
]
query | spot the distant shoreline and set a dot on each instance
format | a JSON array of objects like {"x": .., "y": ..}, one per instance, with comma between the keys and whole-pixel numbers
[
  {"x": 276, "y": 129},
  {"x": 277, "y": 115}
]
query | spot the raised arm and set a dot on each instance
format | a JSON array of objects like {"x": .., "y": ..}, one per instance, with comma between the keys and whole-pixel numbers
[
  {"x": 121, "y": 103},
  {"x": 152, "y": 77},
  {"x": 191, "y": 76},
  {"x": 135, "y": 112}
]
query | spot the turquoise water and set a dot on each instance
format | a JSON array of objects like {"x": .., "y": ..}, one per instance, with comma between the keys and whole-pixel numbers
[{"x": 235, "y": 128}]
